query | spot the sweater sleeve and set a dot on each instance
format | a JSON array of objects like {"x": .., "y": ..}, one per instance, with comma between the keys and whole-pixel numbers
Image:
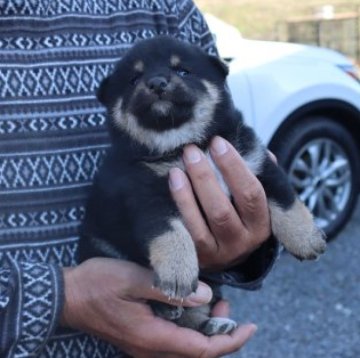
[
  {"x": 250, "y": 274},
  {"x": 31, "y": 298}
]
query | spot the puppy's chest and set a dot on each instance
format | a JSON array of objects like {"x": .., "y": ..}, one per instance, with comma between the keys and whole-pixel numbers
[{"x": 162, "y": 170}]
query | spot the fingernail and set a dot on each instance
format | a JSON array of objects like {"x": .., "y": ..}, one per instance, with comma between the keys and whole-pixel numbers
[
  {"x": 192, "y": 154},
  {"x": 176, "y": 179},
  {"x": 202, "y": 295},
  {"x": 254, "y": 328},
  {"x": 219, "y": 146}
]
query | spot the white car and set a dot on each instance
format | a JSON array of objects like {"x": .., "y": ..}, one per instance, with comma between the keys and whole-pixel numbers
[{"x": 304, "y": 102}]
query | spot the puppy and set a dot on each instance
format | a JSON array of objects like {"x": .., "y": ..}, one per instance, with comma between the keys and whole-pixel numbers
[{"x": 162, "y": 95}]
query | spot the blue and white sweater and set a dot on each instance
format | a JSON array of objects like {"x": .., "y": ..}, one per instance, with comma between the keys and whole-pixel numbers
[{"x": 53, "y": 55}]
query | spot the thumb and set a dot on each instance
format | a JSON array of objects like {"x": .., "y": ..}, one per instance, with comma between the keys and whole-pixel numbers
[
  {"x": 201, "y": 296},
  {"x": 144, "y": 289}
]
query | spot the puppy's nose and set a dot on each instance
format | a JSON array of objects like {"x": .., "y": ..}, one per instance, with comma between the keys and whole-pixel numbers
[{"x": 157, "y": 84}]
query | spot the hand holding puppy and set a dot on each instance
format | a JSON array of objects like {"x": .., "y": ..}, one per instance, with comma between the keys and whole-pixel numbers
[
  {"x": 106, "y": 297},
  {"x": 232, "y": 232}
]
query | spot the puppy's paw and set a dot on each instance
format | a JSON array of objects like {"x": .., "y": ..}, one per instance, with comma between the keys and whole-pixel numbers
[
  {"x": 309, "y": 246},
  {"x": 177, "y": 279},
  {"x": 218, "y": 325},
  {"x": 174, "y": 260},
  {"x": 165, "y": 311},
  {"x": 296, "y": 230}
]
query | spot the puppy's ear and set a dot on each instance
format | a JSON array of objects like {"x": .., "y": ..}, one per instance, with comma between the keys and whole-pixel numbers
[
  {"x": 103, "y": 92},
  {"x": 220, "y": 64}
]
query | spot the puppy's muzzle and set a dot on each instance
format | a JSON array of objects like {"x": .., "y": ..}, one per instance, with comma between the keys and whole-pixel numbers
[{"x": 157, "y": 84}]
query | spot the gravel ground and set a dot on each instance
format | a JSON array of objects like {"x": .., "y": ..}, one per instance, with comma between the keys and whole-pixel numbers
[{"x": 307, "y": 309}]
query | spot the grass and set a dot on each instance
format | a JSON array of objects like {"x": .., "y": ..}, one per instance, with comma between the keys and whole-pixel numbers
[{"x": 265, "y": 19}]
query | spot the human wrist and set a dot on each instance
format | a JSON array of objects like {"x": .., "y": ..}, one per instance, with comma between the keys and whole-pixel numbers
[
  {"x": 67, "y": 318},
  {"x": 250, "y": 274}
]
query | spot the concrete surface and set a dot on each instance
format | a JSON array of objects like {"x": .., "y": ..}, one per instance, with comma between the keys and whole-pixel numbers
[{"x": 307, "y": 309}]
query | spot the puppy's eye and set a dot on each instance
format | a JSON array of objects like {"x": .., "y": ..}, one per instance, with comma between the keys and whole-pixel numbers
[
  {"x": 135, "y": 79},
  {"x": 182, "y": 72}
]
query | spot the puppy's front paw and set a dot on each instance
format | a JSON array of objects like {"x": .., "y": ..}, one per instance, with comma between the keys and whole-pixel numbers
[
  {"x": 174, "y": 260},
  {"x": 309, "y": 246},
  {"x": 296, "y": 230},
  {"x": 177, "y": 279}
]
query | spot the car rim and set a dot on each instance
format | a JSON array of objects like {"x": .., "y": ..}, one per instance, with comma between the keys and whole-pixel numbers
[{"x": 321, "y": 175}]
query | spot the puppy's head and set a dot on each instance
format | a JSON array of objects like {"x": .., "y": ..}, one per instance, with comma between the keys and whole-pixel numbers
[{"x": 164, "y": 92}]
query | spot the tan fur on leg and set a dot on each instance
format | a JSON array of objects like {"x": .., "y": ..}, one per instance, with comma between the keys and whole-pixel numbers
[
  {"x": 296, "y": 230},
  {"x": 174, "y": 259}
]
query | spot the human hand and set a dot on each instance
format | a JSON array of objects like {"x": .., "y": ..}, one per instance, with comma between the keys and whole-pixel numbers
[
  {"x": 106, "y": 297},
  {"x": 230, "y": 233}
]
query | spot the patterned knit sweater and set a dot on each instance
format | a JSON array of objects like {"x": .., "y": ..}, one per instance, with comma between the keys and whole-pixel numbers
[{"x": 53, "y": 55}]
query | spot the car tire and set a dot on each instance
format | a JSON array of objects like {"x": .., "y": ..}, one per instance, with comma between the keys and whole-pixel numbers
[{"x": 322, "y": 161}]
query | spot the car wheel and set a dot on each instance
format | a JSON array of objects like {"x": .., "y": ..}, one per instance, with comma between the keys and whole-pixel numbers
[{"x": 322, "y": 161}]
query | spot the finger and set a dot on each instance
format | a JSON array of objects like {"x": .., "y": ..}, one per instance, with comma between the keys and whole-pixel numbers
[
  {"x": 142, "y": 289},
  {"x": 222, "y": 217},
  {"x": 201, "y": 296},
  {"x": 248, "y": 193},
  {"x": 184, "y": 198},
  {"x": 221, "y": 309}
]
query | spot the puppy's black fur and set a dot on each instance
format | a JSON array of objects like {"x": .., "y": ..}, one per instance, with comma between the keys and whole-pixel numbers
[{"x": 162, "y": 95}]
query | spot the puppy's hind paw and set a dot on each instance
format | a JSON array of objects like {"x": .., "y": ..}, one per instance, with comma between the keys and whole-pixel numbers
[
  {"x": 171, "y": 313},
  {"x": 218, "y": 325}
]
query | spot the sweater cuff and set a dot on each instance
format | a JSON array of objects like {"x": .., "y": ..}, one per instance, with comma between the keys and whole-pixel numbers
[
  {"x": 250, "y": 274},
  {"x": 34, "y": 309}
]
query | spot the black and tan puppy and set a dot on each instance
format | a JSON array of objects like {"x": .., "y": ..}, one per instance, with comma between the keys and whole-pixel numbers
[{"x": 162, "y": 95}]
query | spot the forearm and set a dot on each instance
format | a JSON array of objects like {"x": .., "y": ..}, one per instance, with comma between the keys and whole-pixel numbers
[{"x": 31, "y": 299}]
